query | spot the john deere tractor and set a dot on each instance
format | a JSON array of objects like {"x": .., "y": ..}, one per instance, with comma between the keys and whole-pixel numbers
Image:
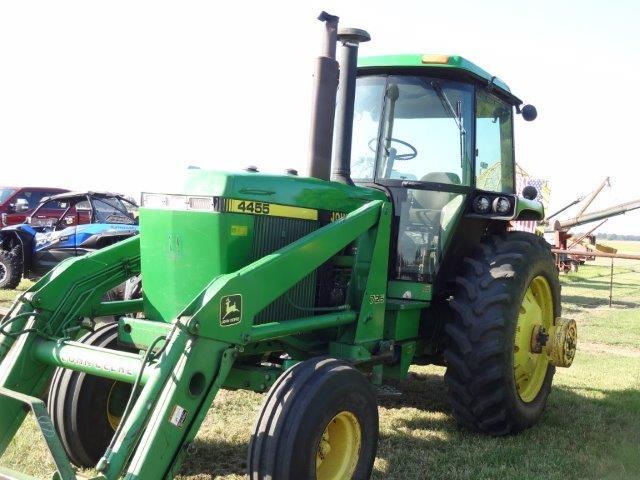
[{"x": 315, "y": 289}]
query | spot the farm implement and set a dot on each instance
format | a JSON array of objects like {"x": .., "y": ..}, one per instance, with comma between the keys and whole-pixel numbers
[
  {"x": 316, "y": 289},
  {"x": 572, "y": 250}
]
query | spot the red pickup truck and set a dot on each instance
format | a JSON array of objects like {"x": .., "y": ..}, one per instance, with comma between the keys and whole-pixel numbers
[{"x": 16, "y": 203}]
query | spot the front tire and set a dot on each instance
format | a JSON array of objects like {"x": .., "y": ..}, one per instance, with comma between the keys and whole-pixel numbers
[
  {"x": 509, "y": 289},
  {"x": 86, "y": 409},
  {"x": 10, "y": 268},
  {"x": 319, "y": 421}
]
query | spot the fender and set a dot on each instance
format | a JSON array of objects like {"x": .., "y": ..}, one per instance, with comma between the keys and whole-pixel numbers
[
  {"x": 93, "y": 238},
  {"x": 529, "y": 210},
  {"x": 22, "y": 235}
]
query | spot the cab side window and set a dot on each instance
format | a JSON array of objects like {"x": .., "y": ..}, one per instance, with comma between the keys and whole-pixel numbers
[
  {"x": 494, "y": 144},
  {"x": 111, "y": 211},
  {"x": 33, "y": 197}
]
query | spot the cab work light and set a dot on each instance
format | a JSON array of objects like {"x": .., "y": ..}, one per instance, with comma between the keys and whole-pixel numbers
[{"x": 442, "y": 59}]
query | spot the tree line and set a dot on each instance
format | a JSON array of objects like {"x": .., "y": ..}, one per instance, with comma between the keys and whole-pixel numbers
[{"x": 615, "y": 236}]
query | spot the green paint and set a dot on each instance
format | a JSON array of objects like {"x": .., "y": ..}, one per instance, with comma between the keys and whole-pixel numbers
[
  {"x": 72, "y": 291},
  {"x": 120, "y": 366},
  {"x": 348, "y": 351},
  {"x": 399, "y": 371},
  {"x": 179, "y": 257},
  {"x": 297, "y": 259},
  {"x": 372, "y": 306},
  {"x": 140, "y": 333},
  {"x": 39, "y": 410},
  {"x": 532, "y": 209},
  {"x": 409, "y": 290},
  {"x": 258, "y": 379},
  {"x": 118, "y": 308},
  {"x": 454, "y": 64},
  {"x": 403, "y": 319},
  {"x": 270, "y": 331}
]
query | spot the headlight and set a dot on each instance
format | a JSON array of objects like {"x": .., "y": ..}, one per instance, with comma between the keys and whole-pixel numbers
[
  {"x": 501, "y": 205},
  {"x": 177, "y": 202},
  {"x": 201, "y": 203},
  {"x": 481, "y": 204}
]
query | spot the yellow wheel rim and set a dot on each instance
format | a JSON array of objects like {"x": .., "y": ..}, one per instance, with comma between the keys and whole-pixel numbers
[
  {"x": 116, "y": 403},
  {"x": 339, "y": 448},
  {"x": 536, "y": 311}
]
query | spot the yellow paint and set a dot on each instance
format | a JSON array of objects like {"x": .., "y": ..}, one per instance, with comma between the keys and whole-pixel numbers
[
  {"x": 335, "y": 216},
  {"x": 339, "y": 448},
  {"x": 239, "y": 230},
  {"x": 271, "y": 209},
  {"x": 113, "y": 418},
  {"x": 536, "y": 311},
  {"x": 562, "y": 343}
]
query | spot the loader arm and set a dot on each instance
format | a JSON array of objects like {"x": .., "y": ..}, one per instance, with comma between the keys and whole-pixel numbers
[
  {"x": 178, "y": 384},
  {"x": 54, "y": 308}
]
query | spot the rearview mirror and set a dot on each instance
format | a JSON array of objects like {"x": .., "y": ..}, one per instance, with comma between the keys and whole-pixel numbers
[
  {"x": 530, "y": 192},
  {"x": 529, "y": 113},
  {"x": 21, "y": 205}
]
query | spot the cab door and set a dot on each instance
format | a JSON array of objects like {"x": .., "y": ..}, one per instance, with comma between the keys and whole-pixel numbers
[{"x": 413, "y": 136}]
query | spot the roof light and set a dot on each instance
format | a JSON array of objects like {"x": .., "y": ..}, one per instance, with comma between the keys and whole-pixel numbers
[{"x": 441, "y": 59}]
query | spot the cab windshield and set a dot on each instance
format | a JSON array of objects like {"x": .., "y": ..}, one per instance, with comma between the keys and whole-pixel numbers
[
  {"x": 412, "y": 128},
  {"x": 415, "y": 135},
  {"x": 5, "y": 193}
]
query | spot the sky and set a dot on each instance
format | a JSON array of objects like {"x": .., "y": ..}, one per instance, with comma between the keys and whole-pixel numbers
[{"x": 124, "y": 95}]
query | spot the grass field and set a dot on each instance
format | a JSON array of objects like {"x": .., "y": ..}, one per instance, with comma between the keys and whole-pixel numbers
[{"x": 591, "y": 429}]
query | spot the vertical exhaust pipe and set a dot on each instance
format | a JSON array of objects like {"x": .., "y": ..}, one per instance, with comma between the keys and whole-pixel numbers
[
  {"x": 350, "y": 38},
  {"x": 323, "y": 105}
]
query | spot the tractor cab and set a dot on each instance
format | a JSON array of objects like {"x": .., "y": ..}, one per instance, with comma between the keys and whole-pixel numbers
[{"x": 434, "y": 132}]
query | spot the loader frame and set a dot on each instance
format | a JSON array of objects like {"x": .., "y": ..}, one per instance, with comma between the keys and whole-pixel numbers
[{"x": 183, "y": 364}]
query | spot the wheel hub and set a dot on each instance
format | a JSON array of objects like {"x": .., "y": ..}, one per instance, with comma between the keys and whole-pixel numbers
[
  {"x": 530, "y": 358},
  {"x": 116, "y": 403},
  {"x": 339, "y": 448},
  {"x": 563, "y": 342},
  {"x": 539, "y": 339}
]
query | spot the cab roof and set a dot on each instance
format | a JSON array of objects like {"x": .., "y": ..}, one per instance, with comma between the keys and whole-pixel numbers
[
  {"x": 82, "y": 195},
  {"x": 454, "y": 63}
]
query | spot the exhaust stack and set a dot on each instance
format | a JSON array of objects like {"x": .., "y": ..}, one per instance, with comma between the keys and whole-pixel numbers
[
  {"x": 351, "y": 38},
  {"x": 323, "y": 105}
]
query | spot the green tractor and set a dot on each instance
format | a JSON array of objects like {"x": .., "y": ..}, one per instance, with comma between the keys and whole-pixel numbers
[{"x": 315, "y": 289}]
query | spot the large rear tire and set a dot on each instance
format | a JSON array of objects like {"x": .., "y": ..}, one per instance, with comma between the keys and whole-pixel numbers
[
  {"x": 86, "y": 409},
  {"x": 10, "y": 268},
  {"x": 509, "y": 289},
  {"x": 319, "y": 421}
]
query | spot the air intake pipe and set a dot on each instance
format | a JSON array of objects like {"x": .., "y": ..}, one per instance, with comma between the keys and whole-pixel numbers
[
  {"x": 350, "y": 38},
  {"x": 323, "y": 106}
]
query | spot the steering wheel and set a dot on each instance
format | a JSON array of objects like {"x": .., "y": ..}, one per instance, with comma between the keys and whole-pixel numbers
[{"x": 403, "y": 156}]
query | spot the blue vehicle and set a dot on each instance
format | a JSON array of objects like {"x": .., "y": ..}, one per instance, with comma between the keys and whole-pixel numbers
[{"x": 83, "y": 222}]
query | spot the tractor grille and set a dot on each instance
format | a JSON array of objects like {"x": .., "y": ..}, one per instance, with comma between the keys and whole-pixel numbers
[{"x": 271, "y": 234}]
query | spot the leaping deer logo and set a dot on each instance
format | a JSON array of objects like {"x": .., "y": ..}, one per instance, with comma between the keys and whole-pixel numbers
[{"x": 230, "y": 308}]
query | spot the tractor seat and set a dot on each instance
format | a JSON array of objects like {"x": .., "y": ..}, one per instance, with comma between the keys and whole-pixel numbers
[{"x": 429, "y": 202}]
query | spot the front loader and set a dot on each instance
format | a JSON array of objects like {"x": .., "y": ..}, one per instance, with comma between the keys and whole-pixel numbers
[{"x": 314, "y": 289}]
